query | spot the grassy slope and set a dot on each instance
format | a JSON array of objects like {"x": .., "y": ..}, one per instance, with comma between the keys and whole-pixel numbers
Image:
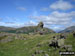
[{"x": 27, "y": 47}]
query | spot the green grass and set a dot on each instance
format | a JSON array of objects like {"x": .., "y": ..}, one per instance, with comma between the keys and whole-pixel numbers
[
  {"x": 28, "y": 47},
  {"x": 70, "y": 41}
]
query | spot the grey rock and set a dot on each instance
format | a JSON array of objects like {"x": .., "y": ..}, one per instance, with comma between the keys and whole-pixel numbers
[
  {"x": 38, "y": 45},
  {"x": 33, "y": 54},
  {"x": 46, "y": 55}
]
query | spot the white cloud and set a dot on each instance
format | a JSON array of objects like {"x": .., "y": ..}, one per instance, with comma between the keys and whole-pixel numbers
[
  {"x": 30, "y": 23},
  {"x": 44, "y": 9},
  {"x": 56, "y": 18},
  {"x": 9, "y": 24},
  {"x": 21, "y": 8},
  {"x": 62, "y": 5},
  {"x": 18, "y": 24}
]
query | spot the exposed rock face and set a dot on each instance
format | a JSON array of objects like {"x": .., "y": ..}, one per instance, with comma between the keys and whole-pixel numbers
[
  {"x": 40, "y": 28},
  {"x": 40, "y": 25},
  {"x": 74, "y": 34}
]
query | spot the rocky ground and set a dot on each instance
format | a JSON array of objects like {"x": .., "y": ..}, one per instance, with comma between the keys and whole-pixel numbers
[{"x": 31, "y": 45}]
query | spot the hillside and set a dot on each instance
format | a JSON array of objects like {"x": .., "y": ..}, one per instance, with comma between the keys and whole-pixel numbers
[
  {"x": 67, "y": 30},
  {"x": 27, "y": 30},
  {"x": 7, "y": 29},
  {"x": 33, "y": 29},
  {"x": 28, "y": 46}
]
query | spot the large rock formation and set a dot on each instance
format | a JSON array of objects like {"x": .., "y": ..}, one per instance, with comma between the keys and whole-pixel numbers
[{"x": 40, "y": 25}]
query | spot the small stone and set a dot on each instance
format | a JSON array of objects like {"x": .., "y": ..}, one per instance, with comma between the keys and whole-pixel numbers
[
  {"x": 46, "y": 55},
  {"x": 38, "y": 45},
  {"x": 40, "y": 51},
  {"x": 36, "y": 52},
  {"x": 49, "y": 49},
  {"x": 33, "y": 54}
]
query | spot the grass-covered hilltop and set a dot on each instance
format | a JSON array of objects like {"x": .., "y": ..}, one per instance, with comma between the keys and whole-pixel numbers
[{"x": 32, "y": 41}]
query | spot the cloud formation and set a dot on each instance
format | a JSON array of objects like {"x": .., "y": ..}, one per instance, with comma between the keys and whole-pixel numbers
[
  {"x": 10, "y": 24},
  {"x": 18, "y": 24},
  {"x": 58, "y": 5},
  {"x": 62, "y": 5},
  {"x": 56, "y": 18},
  {"x": 21, "y": 8},
  {"x": 44, "y": 9}
]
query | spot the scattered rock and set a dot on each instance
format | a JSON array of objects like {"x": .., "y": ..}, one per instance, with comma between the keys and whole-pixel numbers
[
  {"x": 33, "y": 54},
  {"x": 49, "y": 49},
  {"x": 7, "y": 39},
  {"x": 37, "y": 52},
  {"x": 41, "y": 51},
  {"x": 46, "y": 55},
  {"x": 38, "y": 45},
  {"x": 68, "y": 47},
  {"x": 74, "y": 34}
]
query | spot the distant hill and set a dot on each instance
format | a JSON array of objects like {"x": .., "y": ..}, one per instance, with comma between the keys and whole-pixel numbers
[
  {"x": 33, "y": 29},
  {"x": 6, "y": 29},
  {"x": 67, "y": 30},
  {"x": 27, "y": 30}
]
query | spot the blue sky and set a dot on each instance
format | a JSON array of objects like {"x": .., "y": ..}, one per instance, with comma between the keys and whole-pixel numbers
[{"x": 56, "y": 14}]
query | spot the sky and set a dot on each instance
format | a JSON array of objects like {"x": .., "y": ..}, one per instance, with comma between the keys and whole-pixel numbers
[{"x": 55, "y": 14}]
